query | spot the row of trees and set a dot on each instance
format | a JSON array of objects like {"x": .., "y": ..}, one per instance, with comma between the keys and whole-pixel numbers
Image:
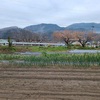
[
  {"x": 66, "y": 36},
  {"x": 70, "y": 36},
  {"x": 30, "y": 37},
  {"x": 21, "y": 35}
]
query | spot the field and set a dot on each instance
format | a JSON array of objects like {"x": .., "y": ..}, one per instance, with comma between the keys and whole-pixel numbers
[
  {"x": 45, "y": 60},
  {"x": 49, "y": 84},
  {"x": 49, "y": 76}
]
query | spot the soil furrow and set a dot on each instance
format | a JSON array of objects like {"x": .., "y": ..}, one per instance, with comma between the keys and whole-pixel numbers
[
  {"x": 52, "y": 77},
  {"x": 49, "y": 84}
]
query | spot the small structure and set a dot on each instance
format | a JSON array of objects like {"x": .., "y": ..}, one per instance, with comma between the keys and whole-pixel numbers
[
  {"x": 5, "y": 41},
  {"x": 76, "y": 43}
]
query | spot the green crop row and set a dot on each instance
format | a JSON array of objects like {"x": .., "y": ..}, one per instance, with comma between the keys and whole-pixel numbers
[{"x": 54, "y": 59}]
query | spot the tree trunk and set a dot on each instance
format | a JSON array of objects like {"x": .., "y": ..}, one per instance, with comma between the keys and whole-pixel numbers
[
  {"x": 9, "y": 42},
  {"x": 83, "y": 45}
]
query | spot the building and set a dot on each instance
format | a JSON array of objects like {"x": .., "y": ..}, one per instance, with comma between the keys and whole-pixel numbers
[{"x": 5, "y": 41}]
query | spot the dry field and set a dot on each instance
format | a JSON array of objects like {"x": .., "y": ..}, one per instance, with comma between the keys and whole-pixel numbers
[{"x": 49, "y": 84}]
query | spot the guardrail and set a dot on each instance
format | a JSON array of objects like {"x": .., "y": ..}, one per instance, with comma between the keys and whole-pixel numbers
[{"x": 33, "y": 44}]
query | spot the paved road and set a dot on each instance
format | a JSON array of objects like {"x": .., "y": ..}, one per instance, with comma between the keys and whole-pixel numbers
[{"x": 65, "y": 52}]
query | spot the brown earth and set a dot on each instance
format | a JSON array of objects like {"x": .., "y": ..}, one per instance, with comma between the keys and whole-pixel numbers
[{"x": 49, "y": 84}]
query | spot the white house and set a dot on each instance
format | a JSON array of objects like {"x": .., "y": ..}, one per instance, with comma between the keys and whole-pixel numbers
[{"x": 5, "y": 41}]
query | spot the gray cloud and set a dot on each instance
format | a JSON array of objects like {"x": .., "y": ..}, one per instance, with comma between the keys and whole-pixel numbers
[{"x": 62, "y": 12}]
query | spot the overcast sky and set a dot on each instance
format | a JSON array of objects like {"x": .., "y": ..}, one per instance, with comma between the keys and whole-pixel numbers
[{"x": 22, "y": 13}]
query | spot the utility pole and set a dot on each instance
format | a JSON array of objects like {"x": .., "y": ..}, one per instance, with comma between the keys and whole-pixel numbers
[
  {"x": 92, "y": 33},
  {"x": 92, "y": 28}
]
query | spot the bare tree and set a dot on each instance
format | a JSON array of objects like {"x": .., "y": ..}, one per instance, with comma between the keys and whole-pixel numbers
[
  {"x": 66, "y": 36},
  {"x": 84, "y": 37}
]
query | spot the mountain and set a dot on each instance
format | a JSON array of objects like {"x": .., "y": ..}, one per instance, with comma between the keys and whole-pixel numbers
[
  {"x": 84, "y": 27},
  {"x": 15, "y": 33},
  {"x": 44, "y": 28},
  {"x": 50, "y": 28}
]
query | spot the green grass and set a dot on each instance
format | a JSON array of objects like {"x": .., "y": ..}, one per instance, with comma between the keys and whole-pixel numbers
[
  {"x": 48, "y": 48},
  {"x": 84, "y": 48},
  {"x": 66, "y": 59},
  {"x": 11, "y": 57},
  {"x": 5, "y": 49},
  {"x": 81, "y": 60}
]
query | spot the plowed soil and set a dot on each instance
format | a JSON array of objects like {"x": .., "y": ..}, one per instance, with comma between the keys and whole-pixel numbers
[{"x": 49, "y": 84}]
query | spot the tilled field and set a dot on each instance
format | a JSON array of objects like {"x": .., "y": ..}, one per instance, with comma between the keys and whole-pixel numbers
[{"x": 49, "y": 84}]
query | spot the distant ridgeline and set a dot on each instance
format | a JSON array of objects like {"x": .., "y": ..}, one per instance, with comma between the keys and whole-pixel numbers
[
  {"x": 47, "y": 28},
  {"x": 44, "y": 29}
]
